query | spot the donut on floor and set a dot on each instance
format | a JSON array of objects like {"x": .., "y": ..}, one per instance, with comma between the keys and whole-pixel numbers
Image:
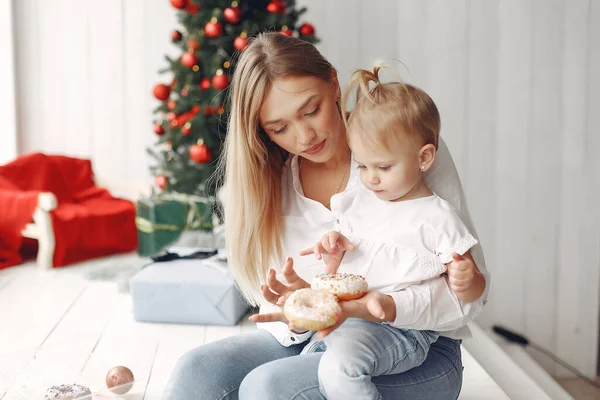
[
  {"x": 343, "y": 286},
  {"x": 312, "y": 310},
  {"x": 68, "y": 392}
]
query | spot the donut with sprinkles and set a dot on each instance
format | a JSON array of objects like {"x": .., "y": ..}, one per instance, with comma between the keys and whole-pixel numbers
[{"x": 343, "y": 286}]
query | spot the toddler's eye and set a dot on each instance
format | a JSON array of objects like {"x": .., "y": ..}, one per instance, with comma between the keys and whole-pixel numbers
[{"x": 313, "y": 112}]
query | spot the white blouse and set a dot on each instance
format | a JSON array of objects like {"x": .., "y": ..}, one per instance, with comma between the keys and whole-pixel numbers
[{"x": 408, "y": 273}]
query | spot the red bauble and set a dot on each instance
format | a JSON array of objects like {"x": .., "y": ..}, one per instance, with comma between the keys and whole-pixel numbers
[
  {"x": 161, "y": 91},
  {"x": 193, "y": 45},
  {"x": 220, "y": 82},
  {"x": 161, "y": 181},
  {"x": 180, "y": 4},
  {"x": 159, "y": 130},
  {"x": 176, "y": 36},
  {"x": 192, "y": 8},
  {"x": 171, "y": 116},
  {"x": 240, "y": 43},
  {"x": 287, "y": 32},
  {"x": 307, "y": 30},
  {"x": 200, "y": 153},
  {"x": 171, "y": 104},
  {"x": 189, "y": 60},
  {"x": 233, "y": 15},
  {"x": 205, "y": 83},
  {"x": 276, "y": 7},
  {"x": 186, "y": 129},
  {"x": 213, "y": 29},
  {"x": 184, "y": 92}
]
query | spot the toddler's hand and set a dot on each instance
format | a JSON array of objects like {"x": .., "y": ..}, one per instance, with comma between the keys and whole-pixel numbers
[
  {"x": 331, "y": 247},
  {"x": 461, "y": 273}
]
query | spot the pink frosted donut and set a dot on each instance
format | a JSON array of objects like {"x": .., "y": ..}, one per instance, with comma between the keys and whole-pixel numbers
[
  {"x": 68, "y": 392},
  {"x": 312, "y": 310},
  {"x": 344, "y": 286}
]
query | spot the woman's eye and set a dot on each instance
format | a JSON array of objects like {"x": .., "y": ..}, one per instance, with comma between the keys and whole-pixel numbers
[
  {"x": 313, "y": 112},
  {"x": 361, "y": 167},
  {"x": 384, "y": 167},
  {"x": 280, "y": 130}
]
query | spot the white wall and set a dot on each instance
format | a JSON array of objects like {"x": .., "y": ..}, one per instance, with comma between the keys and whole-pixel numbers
[
  {"x": 85, "y": 76},
  {"x": 514, "y": 81},
  {"x": 8, "y": 131}
]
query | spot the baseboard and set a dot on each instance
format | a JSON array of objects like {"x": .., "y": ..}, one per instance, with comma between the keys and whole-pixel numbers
[{"x": 512, "y": 368}]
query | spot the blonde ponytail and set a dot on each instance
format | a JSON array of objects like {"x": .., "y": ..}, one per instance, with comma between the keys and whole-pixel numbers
[{"x": 379, "y": 111}]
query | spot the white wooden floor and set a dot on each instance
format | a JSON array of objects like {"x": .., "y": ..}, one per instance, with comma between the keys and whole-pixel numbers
[{"x": 60, "y": 326}]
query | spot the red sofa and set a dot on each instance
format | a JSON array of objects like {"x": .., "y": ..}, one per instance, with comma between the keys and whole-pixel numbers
[{"x": 88, "y": 222}]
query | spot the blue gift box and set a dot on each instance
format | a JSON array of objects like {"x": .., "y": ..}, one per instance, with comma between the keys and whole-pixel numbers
[{"x": 190, "y": 291}]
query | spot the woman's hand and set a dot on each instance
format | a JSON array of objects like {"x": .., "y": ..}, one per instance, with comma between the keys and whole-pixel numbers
[
  {"x": 373, "y": 306},
  {"x": 276, "y": 292},
  {"x": 331, "y": 247},
  {"x": 464, "y": 277}
]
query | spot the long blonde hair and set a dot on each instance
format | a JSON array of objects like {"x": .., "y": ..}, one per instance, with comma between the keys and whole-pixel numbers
[
  {"x": 380, "y": 111},
  {"x": 253, "y": 164}
]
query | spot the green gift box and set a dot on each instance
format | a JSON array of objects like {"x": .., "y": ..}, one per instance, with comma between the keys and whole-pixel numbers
[{"x": 162, "y": 219}]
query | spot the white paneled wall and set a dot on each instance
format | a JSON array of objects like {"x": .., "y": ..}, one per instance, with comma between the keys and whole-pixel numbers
[
  {"x": 8, "y": 134},
  {"x": 516, "y": 82},
  {"x": 85, "y": 76}
]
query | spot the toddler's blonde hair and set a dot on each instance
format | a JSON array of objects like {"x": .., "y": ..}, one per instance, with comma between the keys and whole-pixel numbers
[{"x": 387, "y": 111}]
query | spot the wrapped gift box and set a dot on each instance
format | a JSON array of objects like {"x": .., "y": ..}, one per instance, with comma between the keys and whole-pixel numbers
[
  {"x": 161, "y": 221},
  {"x": 188, "y": 291}
]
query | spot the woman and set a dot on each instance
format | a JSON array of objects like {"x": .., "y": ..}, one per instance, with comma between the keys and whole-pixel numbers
[{"x": 289, "y": 181}]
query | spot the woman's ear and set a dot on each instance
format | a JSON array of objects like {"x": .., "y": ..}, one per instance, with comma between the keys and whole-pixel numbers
[{"x": 426, "y": 157}]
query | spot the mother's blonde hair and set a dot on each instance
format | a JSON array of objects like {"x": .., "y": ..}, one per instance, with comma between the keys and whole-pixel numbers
[{"x": 253, "y": 164}]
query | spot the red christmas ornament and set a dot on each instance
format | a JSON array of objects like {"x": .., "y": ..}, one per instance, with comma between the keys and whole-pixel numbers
[
  {"x": 205, "y": 83},
  {"x": 220, "y": 81},
  {"x": 171, "y": 105},
  {"x": 276, "y": 7},
  {"x": 161, "y": 181},
  {"x": 307, "y": 30},
  {"x": 180, "y": 4},
  {"x": 120, "y": 379},
  {"x": 233, "y": 15},
  {"x": 176, "y": 36},
  {"x": 184, "y": 92},
  {"x": 186, "y": 129},
  {"x": 240, "y": 43},
  {"x": 189, "y": 60},
  {"x": 213, "y": 29},
  {"x": 287, "y": 32},
  {"x": 200, "y": 153},
  {"x": 193, "y": 45},
  {"x": 161, "y": 91},
  {"x": 159, "y": 130},
  {"x": 192, "y": 8},
  {"x": 171, "y": 116}
]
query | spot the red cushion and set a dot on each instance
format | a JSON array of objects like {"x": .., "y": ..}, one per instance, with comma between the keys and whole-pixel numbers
[{"x": 93, "y": 228}]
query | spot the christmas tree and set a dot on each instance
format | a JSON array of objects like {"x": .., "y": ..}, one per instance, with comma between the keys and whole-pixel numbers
[{"x": 191, "y": 121}]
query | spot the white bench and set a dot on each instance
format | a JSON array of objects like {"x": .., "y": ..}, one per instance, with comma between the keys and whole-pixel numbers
[{"x": 41, "y": 230}]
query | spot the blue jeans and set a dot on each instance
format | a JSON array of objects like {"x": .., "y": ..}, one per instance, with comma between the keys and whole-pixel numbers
[
  {"x": 253, "y": 365},
  {"x": 359, "y": 350}
]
